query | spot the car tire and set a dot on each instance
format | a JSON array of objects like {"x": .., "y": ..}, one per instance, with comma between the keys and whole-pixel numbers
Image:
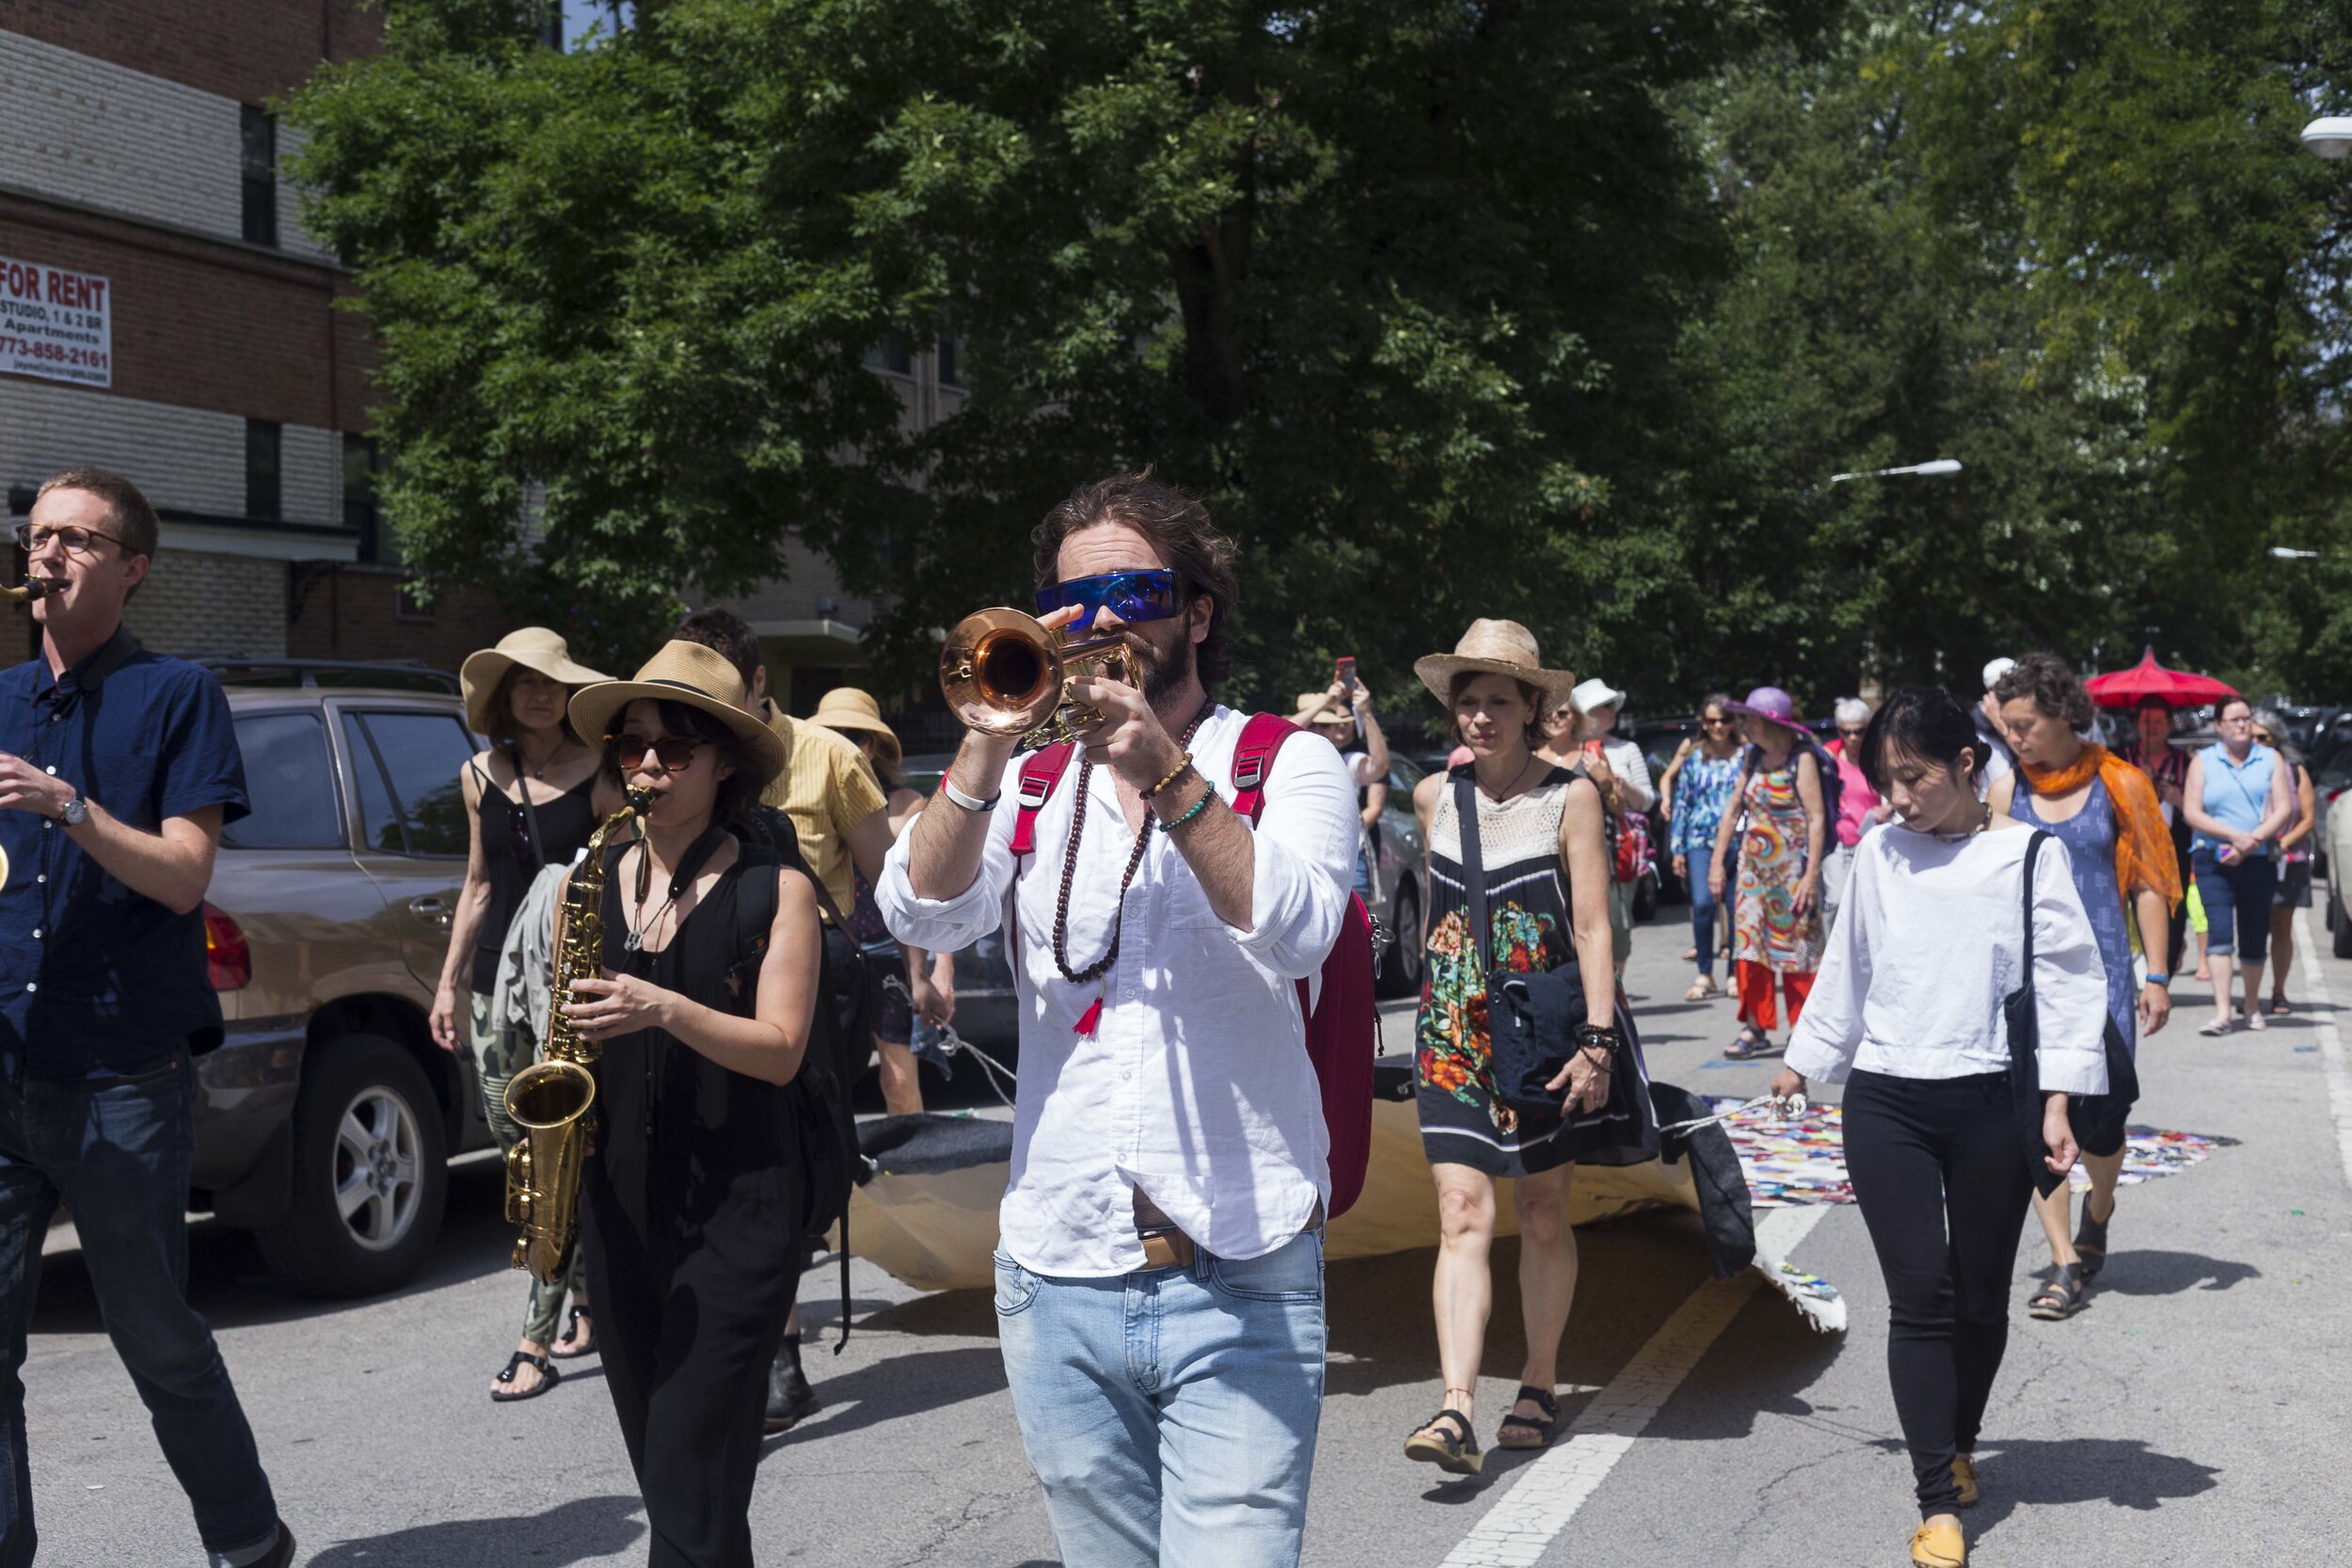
[
  {"x": 1400, "y": 966},
  {"x": 2340, "y": 923},
  {"x": 370, "y": 1172}
]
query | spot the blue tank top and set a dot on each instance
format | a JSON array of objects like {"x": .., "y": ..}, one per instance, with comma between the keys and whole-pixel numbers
[
  {"x": 2236, "y": 796},
  {"x": 2090, "y": 839}
]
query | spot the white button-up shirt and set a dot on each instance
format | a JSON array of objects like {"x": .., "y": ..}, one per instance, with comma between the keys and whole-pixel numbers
[
  {"x": 1196, "y": 1086},
  {"x": 1929, "y": 940}
]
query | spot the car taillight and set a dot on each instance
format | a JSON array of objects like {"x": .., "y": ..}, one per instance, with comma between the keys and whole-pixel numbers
[{"x": 228, "y": 961}]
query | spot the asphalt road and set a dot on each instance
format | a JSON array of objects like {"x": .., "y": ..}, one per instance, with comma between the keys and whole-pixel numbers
[{"x": 2194, "y": 1412}]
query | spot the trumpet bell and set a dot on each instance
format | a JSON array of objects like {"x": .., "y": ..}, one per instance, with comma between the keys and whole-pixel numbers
[{"x": 1000, "y": 672}]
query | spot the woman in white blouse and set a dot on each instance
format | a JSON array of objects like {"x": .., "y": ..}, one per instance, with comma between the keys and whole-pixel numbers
[{"x": 1907, "y": 1013}]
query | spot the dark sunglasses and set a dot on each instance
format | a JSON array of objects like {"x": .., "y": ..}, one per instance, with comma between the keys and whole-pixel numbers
[
  {"x": 1718, "y": 720},
  {"x": 675, "y": 753},
  {"x": 1131, "y": 596}
]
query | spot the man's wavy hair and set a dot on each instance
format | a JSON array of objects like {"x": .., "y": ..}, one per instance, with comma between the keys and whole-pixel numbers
[{"x": 1178, "y": 526}]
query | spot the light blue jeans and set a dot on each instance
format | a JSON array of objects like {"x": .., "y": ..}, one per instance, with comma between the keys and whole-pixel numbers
[{"x": 1172, "y": 1415}]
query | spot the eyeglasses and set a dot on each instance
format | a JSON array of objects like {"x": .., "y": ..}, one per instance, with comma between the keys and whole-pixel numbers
[
  {"x": 75, "y": 540},
  {"x": 676, "y": 753},
  {"x": 2262, "y": 736},
  {"x": 1718, "y": 722},
  {"x": 1131, "y": 596},
  {"x": 2241, "y": 719},
  {"x": 1853, "y": 732}
]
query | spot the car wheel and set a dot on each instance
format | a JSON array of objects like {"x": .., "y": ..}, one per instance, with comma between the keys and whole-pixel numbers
[
  {"x": 1400, "y": 966},
  {"x": 2341, "y": 942},
  {"x": 370, "y": 1172}
]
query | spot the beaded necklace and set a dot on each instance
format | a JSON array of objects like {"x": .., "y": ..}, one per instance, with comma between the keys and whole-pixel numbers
[{"x": 1101, "y": 966}]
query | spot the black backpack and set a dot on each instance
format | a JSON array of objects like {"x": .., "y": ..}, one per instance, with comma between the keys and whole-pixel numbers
[{"x": 825, "y": 1128}]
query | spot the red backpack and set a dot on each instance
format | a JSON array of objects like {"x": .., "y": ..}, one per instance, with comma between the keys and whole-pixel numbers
[{"x": 1342, "y": 1023}]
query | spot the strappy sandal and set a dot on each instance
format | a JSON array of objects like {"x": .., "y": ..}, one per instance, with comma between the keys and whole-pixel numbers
[
  {"x": 2091, "y": 1240},
  {"x": 2061, "y": 1298},
  {"x": 2281, "y": 1006},
  {"x": 1746, "y": 1047},
  {"x": 2215, "y": 1028},
  {"x": 1517, "y": 1432},
  {"x": 549, "y": 1378},
  {"x": 1700, "y": 990},
  {"x": 1432, "y": 1443},
  {"x": 574, "y": 1344}
]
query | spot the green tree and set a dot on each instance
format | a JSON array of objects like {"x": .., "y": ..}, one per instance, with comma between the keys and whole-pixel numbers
[{"x": 1395, "y": 286}]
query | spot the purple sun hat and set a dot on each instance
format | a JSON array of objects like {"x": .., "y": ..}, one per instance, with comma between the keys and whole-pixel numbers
[{"x": 1770, "y": 702}]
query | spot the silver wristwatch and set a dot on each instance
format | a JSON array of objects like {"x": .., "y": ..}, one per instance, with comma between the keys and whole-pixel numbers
[{"x": 76, "y": 811}]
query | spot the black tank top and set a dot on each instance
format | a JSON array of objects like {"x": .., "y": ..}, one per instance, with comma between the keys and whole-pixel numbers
[
  {"x": 509, "y": 862},
  {"x": 679, "y": 1134}
]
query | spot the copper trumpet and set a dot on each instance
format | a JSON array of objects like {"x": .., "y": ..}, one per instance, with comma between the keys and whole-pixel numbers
[{"x": 1004, "y": 672}]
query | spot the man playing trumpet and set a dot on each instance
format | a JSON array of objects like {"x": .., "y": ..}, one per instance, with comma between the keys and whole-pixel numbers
[{"x": 1169, "y": 1157}]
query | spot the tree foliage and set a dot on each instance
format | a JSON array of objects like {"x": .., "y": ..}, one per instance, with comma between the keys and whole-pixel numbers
[{"x": 1564, "y": 313}]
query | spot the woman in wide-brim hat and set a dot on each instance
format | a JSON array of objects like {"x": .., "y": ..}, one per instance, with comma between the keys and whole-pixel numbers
[
  {"x": 694, "y": 1187},
  {"x": 1777, "y": 824},
  {"x": 902, "y": 983},
  {"x": 531, "y": 799},
  {"x": 1543, "y": 857}
]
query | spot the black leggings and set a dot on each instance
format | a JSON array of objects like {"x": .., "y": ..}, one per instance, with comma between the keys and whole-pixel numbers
[{"x": 1940, "y": 1173}]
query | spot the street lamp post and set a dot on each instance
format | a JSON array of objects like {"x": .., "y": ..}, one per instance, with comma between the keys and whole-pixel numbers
[{"x": 2329, "y": 136}]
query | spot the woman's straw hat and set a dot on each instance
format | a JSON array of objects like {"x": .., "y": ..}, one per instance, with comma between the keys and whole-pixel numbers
[
  {"x": 533, "y": 648},
  {"x": 848, "y": 711},
  {"x": 682, "y": 672},
  {"x": 1498, "y": 648}
]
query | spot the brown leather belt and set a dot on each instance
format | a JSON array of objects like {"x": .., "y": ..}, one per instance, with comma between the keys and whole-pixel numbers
[{"x": 1165, "y": 1244}]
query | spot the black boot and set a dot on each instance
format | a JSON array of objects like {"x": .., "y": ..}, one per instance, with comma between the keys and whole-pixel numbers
[{"x": 789, "y": 1397}]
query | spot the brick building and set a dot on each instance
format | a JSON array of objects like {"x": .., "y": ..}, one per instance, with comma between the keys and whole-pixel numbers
[{"x": 163, "y": 314}]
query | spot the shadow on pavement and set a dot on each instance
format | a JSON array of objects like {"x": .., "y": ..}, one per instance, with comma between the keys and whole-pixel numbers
[
  {"x": 2134, "y": 1273},
  {"x": 2041, "y": 1472},
  {"x": 580, "y": 1530},
  {"x": 912, "y": 1382}
]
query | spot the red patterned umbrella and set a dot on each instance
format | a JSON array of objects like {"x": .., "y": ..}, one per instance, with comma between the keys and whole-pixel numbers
[{"x": 2125, "y": 688}]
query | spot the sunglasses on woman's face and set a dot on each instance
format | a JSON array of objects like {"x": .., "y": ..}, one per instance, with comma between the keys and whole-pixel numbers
[
  {"x": 2262, "y": 736},
  {"x": 676, "y": 753},
  {"x": 1132, "y": 596},
  {"x": 1853, "y": 732},
  {"x": 1716, "y": 721}
]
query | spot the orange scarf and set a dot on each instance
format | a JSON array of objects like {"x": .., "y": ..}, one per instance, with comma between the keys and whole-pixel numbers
[{"x": 2143, "y": 844}]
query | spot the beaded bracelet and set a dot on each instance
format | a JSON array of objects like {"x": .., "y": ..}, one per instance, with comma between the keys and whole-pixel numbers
[
  {"x": 1198, "y": 807},
  {"x": 1173, "y": 774}
]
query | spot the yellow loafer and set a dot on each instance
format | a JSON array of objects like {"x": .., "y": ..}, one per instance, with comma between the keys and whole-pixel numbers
[
  {"x": 1938, "y": 1543},
  {"x": 1964, "y": 1476}
]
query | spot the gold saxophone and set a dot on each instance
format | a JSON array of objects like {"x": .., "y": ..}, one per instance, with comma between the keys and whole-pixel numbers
[{"x": 553, "y": 1099}]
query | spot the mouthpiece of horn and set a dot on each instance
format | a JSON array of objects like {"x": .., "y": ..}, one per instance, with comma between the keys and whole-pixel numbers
[{"x": 33, "y": 588}]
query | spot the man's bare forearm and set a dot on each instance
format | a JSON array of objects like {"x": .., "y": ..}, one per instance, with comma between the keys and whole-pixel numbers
[
  {"x": 944, "y": 856},
  {"x": 173, "y": 866},
  {"x": 1222, "y": 851}
]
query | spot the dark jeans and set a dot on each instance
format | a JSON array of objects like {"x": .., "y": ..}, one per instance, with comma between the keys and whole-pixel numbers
[
  {"x": 1942, "y": 1181},
  {"x": 2237, "y": 897},
  {"x": 116, "y": 1150}
]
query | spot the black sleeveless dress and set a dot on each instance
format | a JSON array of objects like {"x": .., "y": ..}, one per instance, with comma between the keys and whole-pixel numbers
[
  {"x": 691, "y": 1207},
  {"x": 510, "y": 861}
]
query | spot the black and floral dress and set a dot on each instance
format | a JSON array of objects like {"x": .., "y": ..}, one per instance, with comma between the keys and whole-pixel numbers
[{"x": 1462, "y": 1122}]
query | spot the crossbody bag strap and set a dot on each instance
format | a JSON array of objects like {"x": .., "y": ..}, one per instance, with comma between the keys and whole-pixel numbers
[
  {"x": 531, "y": 812},
  {"x": 1474, "y": 873},
  {"x": 2033, "y": 855}
]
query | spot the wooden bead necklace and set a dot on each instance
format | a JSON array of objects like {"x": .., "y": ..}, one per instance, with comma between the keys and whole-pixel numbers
[{"x": 1101, "y": 966}]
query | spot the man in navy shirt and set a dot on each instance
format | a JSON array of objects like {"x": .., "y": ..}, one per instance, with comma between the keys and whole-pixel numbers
[{"x": 118, "y": 767}]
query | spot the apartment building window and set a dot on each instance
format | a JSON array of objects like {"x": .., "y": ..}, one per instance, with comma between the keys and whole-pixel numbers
[
  {"x": 361, "y": 463},
  {"x": 893, "y": 354},
  {"x": 260, "y": 132},
  {"x": 263, "y": 491},
  {"x": 950, "y": 368}
]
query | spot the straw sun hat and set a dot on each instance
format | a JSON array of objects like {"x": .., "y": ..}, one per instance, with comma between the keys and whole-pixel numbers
[
  {"x": 687, "y": 672},
  {"x": 532, "y": 648},
  {"x": 1498, "y": 648},
  {"x": 849, "y": 712}
]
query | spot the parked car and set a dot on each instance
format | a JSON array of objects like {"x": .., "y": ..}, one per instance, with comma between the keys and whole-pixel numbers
[
  {"x": 985, "y": 1011},
  {"x": 2331, "y": 834},
  {"x": 328, "y": 1115}
]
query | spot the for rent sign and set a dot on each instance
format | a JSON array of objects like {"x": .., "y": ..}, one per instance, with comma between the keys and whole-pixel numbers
[{"x": 56, "y": 324}]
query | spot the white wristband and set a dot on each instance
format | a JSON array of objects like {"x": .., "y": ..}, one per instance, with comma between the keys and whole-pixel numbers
[{"x": 969, "y": 803}]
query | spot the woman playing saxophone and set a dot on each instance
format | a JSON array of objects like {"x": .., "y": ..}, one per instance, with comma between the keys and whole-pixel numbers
[{"x": 710, "y": 956}]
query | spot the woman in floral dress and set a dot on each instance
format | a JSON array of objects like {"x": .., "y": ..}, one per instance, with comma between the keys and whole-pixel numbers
[
  {"x": 1782, "y": 823},
  {"x": 1546, "y": 874},
  {"x": 1698, "y": 789}
]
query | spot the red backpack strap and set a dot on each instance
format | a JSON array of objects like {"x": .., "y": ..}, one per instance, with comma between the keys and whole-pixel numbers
[
  {"x": 1039, "y": 775},
  {"x": 1253, "y": 759}
]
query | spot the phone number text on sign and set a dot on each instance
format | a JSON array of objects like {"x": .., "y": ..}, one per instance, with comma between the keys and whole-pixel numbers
[{"x": 56, "y": 324}]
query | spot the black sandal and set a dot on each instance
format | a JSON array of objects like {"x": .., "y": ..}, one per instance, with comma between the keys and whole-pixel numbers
[
  {"x": 2091, "y": 1240},
  {"x": 574, "y": 1344},
  {"x": 2061, "y": 1298},
  {"x": 1517, "y": 1432},
  {"x": 1433, "y": 1443},
  {"x": 549, "y": 1378}
]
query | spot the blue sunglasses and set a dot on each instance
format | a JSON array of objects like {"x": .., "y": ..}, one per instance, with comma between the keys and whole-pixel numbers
[{"x": 1131, "y": 596}]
